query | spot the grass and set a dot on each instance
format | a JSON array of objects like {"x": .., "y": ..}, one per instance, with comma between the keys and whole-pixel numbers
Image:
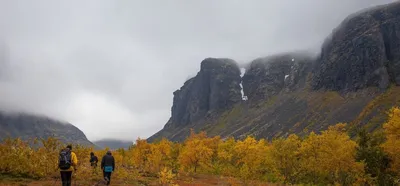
[
  {"x": 6, "y": 179},
  {"x": 375, "y": 113},
  {"x": 224, "y": 119}
]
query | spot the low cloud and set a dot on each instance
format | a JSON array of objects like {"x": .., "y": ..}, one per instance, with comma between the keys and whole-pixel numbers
[{"x": 110, "y": 67}]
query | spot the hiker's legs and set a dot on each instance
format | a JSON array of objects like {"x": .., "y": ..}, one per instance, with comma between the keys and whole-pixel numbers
[
  {"x": 107, "y": 177},
  {"x": 96, "y": 171},
  {"x": 69, "y": 177},
  {"x": 63, "y": 179},
  {"x": 66, "y": 178},
  {"x": 108, "y": 174},
  {"x": 93, "y": 169}
]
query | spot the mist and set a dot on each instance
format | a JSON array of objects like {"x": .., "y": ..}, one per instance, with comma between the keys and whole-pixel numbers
[{"x": 110, "y": 67}]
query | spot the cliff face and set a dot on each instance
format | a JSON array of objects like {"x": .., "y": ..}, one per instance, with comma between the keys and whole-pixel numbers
[
  {"x": 215, "y": 87},
  {"x": 364, "y": 51},
  {"x": 269, "y": 76},
  {"x": 353, "y": 80},
  {"x": 27, "y": 126}
]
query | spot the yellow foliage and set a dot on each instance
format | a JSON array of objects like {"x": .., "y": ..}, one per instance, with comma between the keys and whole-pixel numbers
[
  {"x": 160, "y": 155},
  {"x": 166, "y": 177},
  {"x": 251, "y": 157},
  {"x": 140, "y": 155},
  {"x": 392, "y": 144},
  {"x": 198, "y": 151},
  {"x": 226, "y": 164},
  {"x": 283, "y": 158},
  {"x": 18, "y": 158},
  {"x": 330, "y": 157},
  {"x": 327, "y": 158}
]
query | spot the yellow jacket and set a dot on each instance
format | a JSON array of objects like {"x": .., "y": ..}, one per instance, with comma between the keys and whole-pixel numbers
[{"x": 74, "y": 161}]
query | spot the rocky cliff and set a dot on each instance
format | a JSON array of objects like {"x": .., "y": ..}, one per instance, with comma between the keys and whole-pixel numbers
[
  {"x": 214, "y": 89},
  {"x": 269, "y": 76},
  {"x": 364, "y": 51},
  {"x": 27, "y": 126},
  {"x": 353, "y": 80}
]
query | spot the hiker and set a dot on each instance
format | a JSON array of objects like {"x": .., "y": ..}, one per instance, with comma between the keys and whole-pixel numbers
[
  {"x": 108, "y": 166},
  {"x": 67, "y": 163},
  {"x": 93, "y": 160}
]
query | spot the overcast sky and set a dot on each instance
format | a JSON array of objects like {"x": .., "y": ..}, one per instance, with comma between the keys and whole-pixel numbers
[{"x": 110, "y": 67}]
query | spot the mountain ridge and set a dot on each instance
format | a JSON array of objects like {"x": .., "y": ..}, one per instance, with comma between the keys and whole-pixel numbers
[
  {"x": 113, "y": 144},
  {"x": 359, "y": 63},
  {"x": 27, "y": 126}
]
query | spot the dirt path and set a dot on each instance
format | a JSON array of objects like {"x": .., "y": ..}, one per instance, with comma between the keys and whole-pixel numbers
[{"x": 184, "y": 181}]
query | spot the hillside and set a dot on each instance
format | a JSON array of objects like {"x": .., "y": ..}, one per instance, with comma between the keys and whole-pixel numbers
[
  {"x": 113, "y": 143},
  {"x": 26, "y": 126},
  {"x": 354, "y": 80}
]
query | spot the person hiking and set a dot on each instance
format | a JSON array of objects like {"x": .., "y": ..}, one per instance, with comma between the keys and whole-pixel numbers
[
  {"x": 108, "y": 166},
  {"x": 67, "y": 163},
  {"x": 93, "y": 160}
]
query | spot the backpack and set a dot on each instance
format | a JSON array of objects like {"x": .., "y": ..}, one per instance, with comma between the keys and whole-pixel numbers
[
  {"x": 64, "y": 159},
  {"x": 93, "y": 161}
]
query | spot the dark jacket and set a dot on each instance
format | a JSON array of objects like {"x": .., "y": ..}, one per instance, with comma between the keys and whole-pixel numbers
[
  {"x": 93, "y": 160},
  {"x": 108, "y": 160}
]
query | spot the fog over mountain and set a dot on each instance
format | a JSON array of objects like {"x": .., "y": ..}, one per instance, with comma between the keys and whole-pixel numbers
[{"x": 110, "y": 67}]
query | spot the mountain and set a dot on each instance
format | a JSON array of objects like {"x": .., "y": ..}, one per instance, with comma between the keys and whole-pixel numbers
[
  {"x": 354, "y": 80},
  {"x": 26, "y": 126},
  {"x": 113, "y": 143}
]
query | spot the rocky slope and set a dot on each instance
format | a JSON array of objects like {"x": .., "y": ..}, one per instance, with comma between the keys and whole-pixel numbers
[
  {"x": 27, "y": 126},
  {"x": 354, "y": 80}
]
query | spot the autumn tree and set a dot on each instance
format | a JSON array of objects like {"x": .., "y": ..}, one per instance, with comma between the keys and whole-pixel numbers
[
  {"x": 140, "y": 154},
  {"x": 20, "y": 159},
  {"x": 173, "y": 163},
  {"x": 376, "y": 161},
  {"x": 329, "y": 158},
  {"x": 283, "y": 158},
  {"x": 311, "y": 159},
  {"x": 15, "y": 156},
  {"x": 198, "y": 151},
  {"x": 160, "y": 155},
  {"x": 392, "y": 144},
  {"x": 251, "y": 158},
  {"x": 227, "y": 158}
]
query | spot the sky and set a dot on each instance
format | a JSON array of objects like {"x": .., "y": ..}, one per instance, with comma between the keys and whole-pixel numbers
[{"x": 110, "y": 67}]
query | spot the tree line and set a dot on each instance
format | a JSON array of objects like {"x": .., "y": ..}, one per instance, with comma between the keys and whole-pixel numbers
[{"x": 330, "y": 157}]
